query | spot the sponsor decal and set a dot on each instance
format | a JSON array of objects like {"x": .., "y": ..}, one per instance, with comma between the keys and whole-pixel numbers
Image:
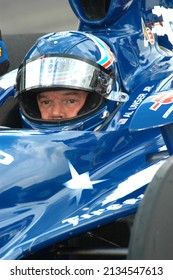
[
  {"x": 163, "y": 99},
  {"x": 75, "y": 220},
  {"x": 166, "y": 26},
  {"x": 161, "y": 25},
  {"x": 148, "y": 35}
]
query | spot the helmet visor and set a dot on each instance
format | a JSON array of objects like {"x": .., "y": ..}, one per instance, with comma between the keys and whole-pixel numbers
[{"x": 61, "y": 71}]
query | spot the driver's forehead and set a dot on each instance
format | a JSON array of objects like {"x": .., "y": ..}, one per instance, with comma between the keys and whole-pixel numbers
[{"x": 61, "y": 93}]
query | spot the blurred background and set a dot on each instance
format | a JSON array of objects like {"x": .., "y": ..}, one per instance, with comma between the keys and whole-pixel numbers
[
  {"x": 28, "y": 16},
  {"x": 23, "y": 21}
]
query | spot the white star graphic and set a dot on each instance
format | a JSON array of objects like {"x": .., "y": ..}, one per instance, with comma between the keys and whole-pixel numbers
[{"x": 80, "y": 182}]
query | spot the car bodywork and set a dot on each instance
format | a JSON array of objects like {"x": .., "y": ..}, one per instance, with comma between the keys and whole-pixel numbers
[{"x": 75, "y": 193}]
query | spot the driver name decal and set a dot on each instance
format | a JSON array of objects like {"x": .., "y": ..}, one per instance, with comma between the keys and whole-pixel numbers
[{"x": 132, "y": 108}]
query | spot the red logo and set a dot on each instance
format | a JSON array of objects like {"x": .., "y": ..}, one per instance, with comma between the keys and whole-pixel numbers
[
  {"x": 150, "y": 35},
  {"x": 162, "y": 99}
]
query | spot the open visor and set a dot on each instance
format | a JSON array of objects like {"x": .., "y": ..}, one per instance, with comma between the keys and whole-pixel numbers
[{"x": 61, "y": 71}]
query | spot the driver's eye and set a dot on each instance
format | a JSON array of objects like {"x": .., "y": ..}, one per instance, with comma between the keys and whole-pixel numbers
[{"x": 71, "y": 101}]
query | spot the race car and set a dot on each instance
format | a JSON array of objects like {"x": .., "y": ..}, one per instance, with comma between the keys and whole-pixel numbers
[{"x": 84, "y": 194}]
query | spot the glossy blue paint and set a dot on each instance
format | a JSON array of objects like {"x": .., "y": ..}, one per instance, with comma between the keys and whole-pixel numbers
[
  {"x": 58, "y": 184},
  {"x": 35, "y": 181}
]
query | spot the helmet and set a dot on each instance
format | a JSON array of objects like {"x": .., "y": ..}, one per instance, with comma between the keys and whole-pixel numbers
[{"x": 68, "y": 60}]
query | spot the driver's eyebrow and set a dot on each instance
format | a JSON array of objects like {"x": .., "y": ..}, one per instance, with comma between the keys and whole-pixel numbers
[
  {"x": 44, "y": 95},
  {"x": 72, "y": 93}
]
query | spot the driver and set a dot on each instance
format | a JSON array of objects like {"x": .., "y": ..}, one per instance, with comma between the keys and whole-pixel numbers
[
  {"x": 60, "y": 104},
  {"x": 68, "y": 80}
]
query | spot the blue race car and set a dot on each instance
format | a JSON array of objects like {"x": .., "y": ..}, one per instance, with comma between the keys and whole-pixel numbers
[{"x": 74, "y": 192}]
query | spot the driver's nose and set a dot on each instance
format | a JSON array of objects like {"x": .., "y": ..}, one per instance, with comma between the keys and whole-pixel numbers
[{"x": 58, "y": 111}]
